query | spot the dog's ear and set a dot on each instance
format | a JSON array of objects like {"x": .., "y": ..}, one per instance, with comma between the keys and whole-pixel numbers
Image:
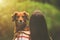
[
  {"x": 14, "y": 17},
  {"x": 26, "y": 15}
]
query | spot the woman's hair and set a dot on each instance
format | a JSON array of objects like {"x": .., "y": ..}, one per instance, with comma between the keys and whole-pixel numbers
[{"x": 38, "y": 26}]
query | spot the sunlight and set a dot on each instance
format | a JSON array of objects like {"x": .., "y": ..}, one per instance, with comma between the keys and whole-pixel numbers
[
  {"x": 5, "y": 3},
  {"x": 1, "y": 1}
]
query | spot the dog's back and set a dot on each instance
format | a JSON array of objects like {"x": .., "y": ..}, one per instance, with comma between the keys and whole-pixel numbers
[{"x": 38, "y": 27}]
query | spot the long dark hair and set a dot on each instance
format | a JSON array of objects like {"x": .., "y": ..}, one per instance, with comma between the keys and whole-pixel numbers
[{"x": 38, "y": 26}]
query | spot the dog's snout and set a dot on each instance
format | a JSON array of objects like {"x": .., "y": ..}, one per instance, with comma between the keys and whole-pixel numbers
[{"x": 20, "y": 20}]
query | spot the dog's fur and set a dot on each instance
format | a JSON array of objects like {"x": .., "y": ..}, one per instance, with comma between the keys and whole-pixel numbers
[
  {"x": 38, "y": 26},
  {"x": 20, "y": 19}
]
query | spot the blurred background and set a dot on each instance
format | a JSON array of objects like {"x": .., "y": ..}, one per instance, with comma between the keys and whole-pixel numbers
[{"x": 50, "y": 9}]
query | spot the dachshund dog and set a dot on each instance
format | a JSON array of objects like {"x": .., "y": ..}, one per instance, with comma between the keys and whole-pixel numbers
[
  {"x": 20, "y": 19},
  {"x": 38, "y": 26}
]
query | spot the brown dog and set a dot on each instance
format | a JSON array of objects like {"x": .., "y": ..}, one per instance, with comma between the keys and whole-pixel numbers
[{"x": 20, "y": 19}]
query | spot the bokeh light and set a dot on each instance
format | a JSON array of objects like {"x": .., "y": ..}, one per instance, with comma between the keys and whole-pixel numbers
[{"x": 3, "y": 3}]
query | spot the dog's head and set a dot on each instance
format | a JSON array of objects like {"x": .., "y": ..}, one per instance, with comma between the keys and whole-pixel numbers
[{"x": 20, "y": 16}]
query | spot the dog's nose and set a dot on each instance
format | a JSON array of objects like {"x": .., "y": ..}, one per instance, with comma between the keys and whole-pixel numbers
[{"x": 20, "y": 20}]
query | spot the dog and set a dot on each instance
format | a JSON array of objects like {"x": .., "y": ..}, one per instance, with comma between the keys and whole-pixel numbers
[
  {"x": 38, "y": 26},
  {"x": 20, "y": 19}
]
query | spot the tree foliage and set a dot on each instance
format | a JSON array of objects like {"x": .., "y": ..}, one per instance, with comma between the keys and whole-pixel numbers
[
  {"x": 51, "y": 14},
  {"x": 52, "y": 2}
]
